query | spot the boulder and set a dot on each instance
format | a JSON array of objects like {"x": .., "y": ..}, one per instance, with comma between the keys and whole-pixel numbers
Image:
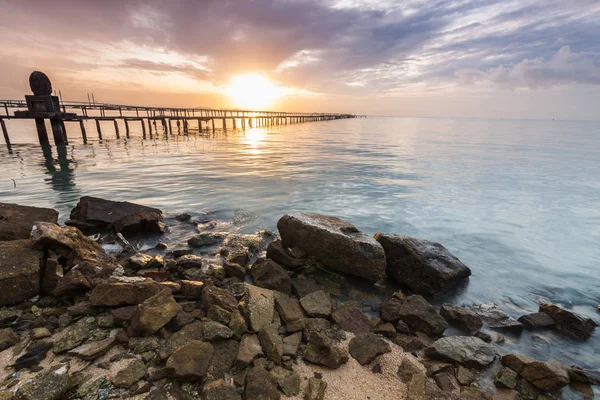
[
  {"x": 425, "y": 267},
  {"x": 351, "y": 319},
  {"x": 93, "y": 215},
  {"x": 249, "y": 349},
  {"x": 367, "y": 346},
  {"x": 233, "y": 270},
  {"x": 261, "y": 385},
  {"x": 258, "y": 305},
  {"x": 271, "y": 343},
  {"x": 288, "y": 307},
  {"x": 317, "y": 304},
  {"x": 468, "y": 351},
  {"x": 334, "y": 243},
  {"x": 281, "y": 255},
  {"x": 213, "y": 330},
  {"x": 191, "y": 361},
  {"x": 45, "y": 386},
  {"x": 93, "y": 350},
  {"x": 461, "y": 317},
  {"x": 19, "y": 271},
  {"x": 132, "y": 371},
  {"x": 153, "y": 314},
  {"x": 322, "y": 350},
  {"x": 72, "y": 284},
  {"x": 16, "y": 221},
  {"x": 219, "y": 390},
  {"x": 497, "y": 319},
  {"x": 536, "y": 321},
  {"x": 121, "y": 293},
  {"x": 315, "y": 390},
  {"x": 576, "y": 326},
  {"x": 212, "y": 295},
  {"x": 270, "y": 275},
  {"x": 206, "y": 239},
  {"x": 548, "y": 376},
  {"x": 421, "y": 316}
]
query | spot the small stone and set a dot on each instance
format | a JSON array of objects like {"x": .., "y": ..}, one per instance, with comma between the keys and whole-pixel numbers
[
  {"x": 73, "y": 336},
  {"x": 506, "y": 378},
  {"x": 141, "y": 345},
  {"x": 39, "y": 333},
  {"x": 219, "y": 314},
  {"x": 402, "y": 327},
  {"x": 270, "y": 275},
  {"x": 219, "y": 390},
  {"x": 189, "y": 261},
  {"x": 408, "y": 368},
  {"x": 291, "y": 344},
  {"x": 190, "y": 361},
  {"x": 33, "y": 356},
  {"x": 447, "y": 382},
  {"x": 72, "y": 284},
  {"x": 315, "y": 390},
  {"x": 351, "y": 319},
  {"x": 192, "y": 289},
  {"x": 367, "y": 346},
  {"x": 288, "y": 307},
  {"x": 206, "y": 239},
  {"x": 233, "y": 270},
  {"x": 324, "y": 351},
  {"x": 386, "y": 330},
  {"x": 93, "y": 350},
  {"x": 139, "y": 261},
  {"x": 271, "y": 343},
  {"x": 213, "y": 330},
  {"x": 461, "y": 317},
  {"x": 131, "y": 372},
  {"x": 261, "y": 385},
  {"x": 217, "y": 271},
  {"x": 317, "y": 304},
  {"x": 464, "y": 375},
  {"x": 45, "y": 386},
  {"x": 153, "y": 314},
  {"x": 249, "y": 349},
  {"x": 8, "y": 338}
]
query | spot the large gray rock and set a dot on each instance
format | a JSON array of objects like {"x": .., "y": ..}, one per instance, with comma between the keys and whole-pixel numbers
[
  {"x": 19, "y": 271},
  {"x": 461, "y": 317},
  {"x": 425, "y": 267},
  {"x": 468, "y": 351},
  {"x": 545, "y": 375},
  {"x": 421, "y": 316},
  {"x": 334, "y": 243},
  {"x": 16, "y": 221}
]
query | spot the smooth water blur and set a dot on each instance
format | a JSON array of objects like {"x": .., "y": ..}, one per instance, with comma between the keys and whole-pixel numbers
[{"x": 517, "y": 201}]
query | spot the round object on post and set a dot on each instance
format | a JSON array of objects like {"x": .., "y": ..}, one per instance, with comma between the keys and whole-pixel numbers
[{"x": 40, "y": 84}]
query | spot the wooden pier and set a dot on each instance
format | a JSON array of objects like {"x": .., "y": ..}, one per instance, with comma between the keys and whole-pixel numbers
[{"x": 43, "y": 106}]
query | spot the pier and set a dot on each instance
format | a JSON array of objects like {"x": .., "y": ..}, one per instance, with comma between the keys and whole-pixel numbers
[{"x": 42, "y": 106}]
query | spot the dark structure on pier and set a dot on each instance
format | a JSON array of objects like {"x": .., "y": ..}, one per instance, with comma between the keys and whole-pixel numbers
[{"x": 43, "y": 105}]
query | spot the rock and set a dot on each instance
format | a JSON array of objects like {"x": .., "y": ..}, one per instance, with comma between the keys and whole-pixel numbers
[
  {"x": 447, "y": 382},
  {"x": 506, "y": 378},
  {"x": 421, "y": 316},
  {"x": 574, "y": 325},
  {"x": 219, "y": 390},
  {"x": 271, "y": 342},
  {"x": 408, "y": 367},
  {"x": 73, "y": 335},
  {"x": 468, "y": 351},
  {"x": 386, "y": 330},
  {"x": 141, "y": 345},
  {"x": 192, "y": 289},
  {"x": 9, "y": 316},
  {"x": 120, "y": 293},
  {"x": 259, "y": 305},
  {"x": 315, "y": 390},
  {"x": 288, "y": 307},
  {"x": 188, "y": 333},
  {"x": 317, "y": 304},
  {"x": 302, "y": 286},
  {"x": 367, "y": 346},
  {"x": 486, "y": 337},
  {"x": 206, "y": 239},
  {"x": 190, "y": 361},
  {"x": 39, "y": 333},
  {"x": 249, "y": 349},
  {"x": 425, "y": 267},
  {"x": 237, "y": 324},
  {"x": 390, "y": 310},
  {"x": 475, "y": 393},
  {"x": 19, "y": 271},
  {"x": 8, "y": 338},
  {"x": 334, "y": 243},
  {"x": 277, "y": 253},
  {"x": 93, "y": 215},
  {"x": 291, "y": 344},
  {"x": 219, "y": 314},
  {"x": 45, "y": 386},
  {"x": 217, "y": 271},
  {"x": 189, "y": 261},
  {"x": 131, "y": 372},
  {"x": 139, "y": 260},
  {"x": 324, "y": 351},
  {"x": 93, "y": 350},
  {"x": 584, "y": 389},
  {"x": 497, "y": 319},
  {"x": 153, "y": 314},
  {"x": 212, "y": 295},
  {"x": 545, "y": 375},
  {"x": 465, "y": 376},
  {"x": 461, "y": 317},
  {"x": 72, "y": 284},
  {"x": 215, "y": 331},
  {"x": 537, "y": 320},
  {"x": 270, "y": 275},
  {"x": 238, "y": 248},
  {"x": 233, "y": 270},
  {"x": 433, "y": 367},
  {"x": 578, "y": 374},
  {"x": 350, "y": 319},
  {"x": 16, "y": 221},
  {"x": 288, "y": 381},
  {"x": 422, "y": 388},
  {"x": 261, "y": 385},
  {"x": 224, "y": 355}
]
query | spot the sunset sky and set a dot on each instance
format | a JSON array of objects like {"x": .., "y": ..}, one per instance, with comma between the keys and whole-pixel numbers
[{"x": 508, "y": 59}]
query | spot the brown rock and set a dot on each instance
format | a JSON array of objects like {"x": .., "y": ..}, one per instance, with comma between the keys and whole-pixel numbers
[
  {"x": 421, "y": 316},
  {"x": 212, "y": 295},
  {"x": 288, "y": 307},
  {"x": 16, "y": 221},
  {"x": 324, "y": 351},
  {"x": 271, "y": 343},
  {"x": 72, "y": 284},
  {"x": 367, "y": 346},
  {"x": 192, "y": 289},
  {"x": 568, "y": 322},
  {"x": 92, "y": 350},
  {"x": 279, "y": 254},
  {"x": 315, "y": 390},
  {"x": 191, "y": 361},
  {"x": 317, "y": 304},
  {"x": 131, "y": 372},
  {"x": 249, "y": 349},
  {"x": 351, "y": 319},
  {"x": 153, "y": 314},
  {"x": 8, "y": 338},
  {"x": 121, "y": 293},
  {"x": 261, "y": 385},
  {"x": 258, "y": 305},
  {"x": 219, "y": 390},
  {"x": 270, "y": 275},
  {"x": 461, "y": 317},
  {"x": 19, "y": 271}
]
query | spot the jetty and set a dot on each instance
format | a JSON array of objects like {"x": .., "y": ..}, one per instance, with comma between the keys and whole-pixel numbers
[{"x": 42, "y": 106}]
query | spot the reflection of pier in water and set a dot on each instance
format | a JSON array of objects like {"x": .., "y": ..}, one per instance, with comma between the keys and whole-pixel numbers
[{"x": 42, "y": 105}]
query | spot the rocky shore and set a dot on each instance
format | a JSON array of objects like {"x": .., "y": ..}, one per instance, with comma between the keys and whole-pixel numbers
[{"x": 86, "y": 314}]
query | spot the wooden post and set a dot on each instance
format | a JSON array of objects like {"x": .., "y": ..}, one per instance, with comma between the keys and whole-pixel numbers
[
  {"x": 149, "y": 127},
  {"x": 170, "y": 127},
  {"x": 126, "y": 127},
  {"x": 213, "y": 124},
  {"x": 233, "y": 119},
  {"x": 83, "y": 133},
  {"x": 40, "y": 125},
  {"x": 116, "y": 129},
  {"x": 57, "y": 132},
  {"x": 185, "y": 126},
  {"x": 250, "y": 122},
  {"x": 5, "y": 133},
  {"x": 243, "y": 122},
  {"x": 98, "y": 129},
  {"x": 224, "y": 124},
  {"x": 199, "y": 125}
]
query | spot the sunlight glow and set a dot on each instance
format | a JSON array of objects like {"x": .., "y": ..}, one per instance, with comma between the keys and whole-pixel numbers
[{"x": 253, "y": 91}]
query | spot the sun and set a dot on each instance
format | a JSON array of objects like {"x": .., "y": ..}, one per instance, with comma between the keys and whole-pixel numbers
[{"x": 253, "y": 91}]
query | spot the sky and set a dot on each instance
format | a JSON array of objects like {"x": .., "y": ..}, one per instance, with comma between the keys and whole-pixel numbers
[{"x": 481, "y": 58}]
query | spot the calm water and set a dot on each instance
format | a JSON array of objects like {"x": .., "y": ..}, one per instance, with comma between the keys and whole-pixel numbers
[{"x": 517, "y": 201}]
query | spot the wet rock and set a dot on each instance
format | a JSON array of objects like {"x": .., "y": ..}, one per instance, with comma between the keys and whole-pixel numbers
[
  {"x": 213, "y": 330},
  {"x": 219, "y": 390},
  {"x": 367, "y": 346},
  {"x": 189, "y": 261},
  {"x": 271, "y": 343},
  {"x": 261, "y": 385},
  {"x": 584, "y": 389},
  {"x": 536, "y": 321},
  {"x": 497, "y": 319},
  {"x": 131, "y": 372},
  {"x": 72, "y": 284},
  {"x": 578, "y": 374},
  {"x": 153, "y": 314},
  {"x": 8, "y": 338},
  {"x": 468, "y": 351},
  {"x": 16, "y": 221},
  {"x": 324, "y": 351},
  {"x": 486, "y": 337},
  {"x": 190, "y": 361},
  {"x": 238, "y": 248},
  {"x": 258, "y": 305},
  {"x": 315, "y": 390},
  {"x": 291, "y": 344},
  {"x": 302, "y": 286},
  {"x": 506, "y": 378},
  {"x": 576, "y": 326},
  {"x": 45, "y": 386},
  {"x": 233, "y": 270},
  {"x": 317, "y": 304},
  {"x": 224, "y": 356},
  {"x": 19, "y": 271},
  {"x": 545, "y": 375},
  {"x": 461, "y": 317},
  {"x": 212, "y": 295},
  {"x": 73, "y": 335},
  {"x": 120, "y": 293},
  {"x": 425, "y": 267},
  {"x": 93, "y": 215},
  {"x": 192, "y": 289},
  {"x": 421, "y": 316},
  {"x": 334, "y": 243},
  {"x": 288, "y": 307},
  {"x": 279, "y": 254},
  {"x": 93, "y": 350},
  {"x": 351, "y": 319},
  {"x": 206, "y": 239},
  {"x": 270, "y": 275},
  {"x": 139, "y": 260}
]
